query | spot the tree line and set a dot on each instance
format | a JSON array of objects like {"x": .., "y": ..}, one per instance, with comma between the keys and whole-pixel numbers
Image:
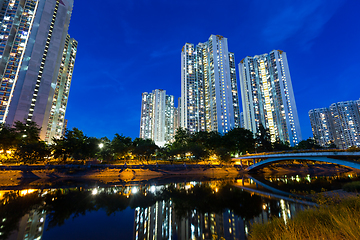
[{"x": 21, "y": 143}]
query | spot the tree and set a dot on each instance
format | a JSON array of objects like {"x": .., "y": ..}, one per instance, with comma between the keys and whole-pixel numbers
[
  {"x": 90, "y": 148},
  {"x": 279, "y": 145},
  {"x": 182, "y": 138},
  {"x": 29, "y": 147},
  {"x": 197, "y": 151},
  {"x": 308, "y": 144},
  {"x": 28, "y": 132},
  {"x": 70, "y": 145},
  {"x": 106, "y": 152},
  {"x": 121, "y": 146},
  {"x": 180, "y": 145},
  {"x": 263, "y": 140},
  {"x": 144, "y": 148},
  {"x": 33, "y": 152},
  {"x": 239, "y": 140},
  {"x": 223, "y": 154},
  {"x": 8, "y": 139}
]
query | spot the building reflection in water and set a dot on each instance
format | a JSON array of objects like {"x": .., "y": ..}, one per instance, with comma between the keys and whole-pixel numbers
[
  {"x": 31, "y": 226},
  {"x": 165, "y": 216},
  {"x": 160, "y": 221}
]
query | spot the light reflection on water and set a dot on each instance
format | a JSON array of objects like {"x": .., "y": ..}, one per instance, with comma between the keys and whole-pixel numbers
[{"x": 189, "y": 210}]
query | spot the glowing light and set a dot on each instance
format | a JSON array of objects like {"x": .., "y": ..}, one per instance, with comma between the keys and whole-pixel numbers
[
  {"x": 152, "y": 189},
  {"x": 94, "y": 192},
  {"x": 134, "y": 190},
  {"x": 26, "y": 191}
]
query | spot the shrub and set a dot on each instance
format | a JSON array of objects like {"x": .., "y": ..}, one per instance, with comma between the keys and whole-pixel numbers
[{"x": 352, "y": 187}]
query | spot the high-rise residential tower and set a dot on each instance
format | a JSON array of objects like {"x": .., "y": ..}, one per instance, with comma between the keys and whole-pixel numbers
[
  {"x": 346, "y": 121},
  {"x": 268, "y": 97},
  {"x": 157, "y": 117},
  {"x": 322, "y": 126},
  {"x": 36, "y": 63},
  {"x": 339, "y": 124},
  {"x": 209, "y": 94}
]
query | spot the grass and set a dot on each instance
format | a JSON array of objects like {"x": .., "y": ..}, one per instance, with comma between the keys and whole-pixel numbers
[
  {"x": 352, "y": 186},
  {"x": 333, "y": 221}
]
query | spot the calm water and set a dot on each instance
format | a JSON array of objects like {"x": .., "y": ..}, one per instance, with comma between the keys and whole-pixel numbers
[{"x": 182, "y": 210}]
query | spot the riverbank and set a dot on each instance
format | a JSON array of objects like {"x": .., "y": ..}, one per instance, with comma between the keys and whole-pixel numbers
[
  {"x": 11, "y": 176},
  {"x": 52, "y": 175}
]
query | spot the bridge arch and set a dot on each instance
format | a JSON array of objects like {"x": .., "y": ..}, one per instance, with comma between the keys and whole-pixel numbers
[{"x": 269, "y": 161}]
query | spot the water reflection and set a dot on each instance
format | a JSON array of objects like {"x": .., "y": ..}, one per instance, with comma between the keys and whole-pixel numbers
[
  {"x": 192, "y": 210},
  {"x": 306, "y": 183}
]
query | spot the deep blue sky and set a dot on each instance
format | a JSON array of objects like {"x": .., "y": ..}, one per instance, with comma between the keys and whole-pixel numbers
[{"x": 132, "y": 46}]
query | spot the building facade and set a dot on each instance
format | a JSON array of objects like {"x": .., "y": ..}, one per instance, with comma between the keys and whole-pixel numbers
[
  {"x": 346, "y": 120},
  {"x": 157, "y": 117},
  {"x": 268, "y": 98},
  {"x": 322, "y": 126},
  {"x": 209, "y": 94},
  {"x": 339, "y": 124},
  {"x": 36, "y": 63}
]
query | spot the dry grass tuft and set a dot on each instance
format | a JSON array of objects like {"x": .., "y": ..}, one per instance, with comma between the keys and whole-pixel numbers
[{"x": 334, "y": 221}]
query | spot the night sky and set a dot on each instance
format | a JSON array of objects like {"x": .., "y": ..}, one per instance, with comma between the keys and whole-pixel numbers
[{"x": 128, "y": 47}]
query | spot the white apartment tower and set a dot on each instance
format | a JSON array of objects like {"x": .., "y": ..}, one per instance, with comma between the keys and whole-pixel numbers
[
  {"x": 36, "y": 62},
  {"x": 346, "y": 120},
  {"x": 339, "y": 124},
  {"x": 157, "y": 117},
  {"x": 268, "y": 97},
  {"x": 56, "y": 123},
  {"x": 322, "y": 126},
  {"x": 209, "y": 95}
]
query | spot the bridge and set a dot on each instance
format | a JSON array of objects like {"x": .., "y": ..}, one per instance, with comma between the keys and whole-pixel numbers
[
  {"x": 272, "y": 193},
  {"x": 263, "y": 160}
]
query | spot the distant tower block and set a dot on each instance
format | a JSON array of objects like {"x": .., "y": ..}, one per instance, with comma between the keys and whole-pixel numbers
[{"x": 157, "y": 117}]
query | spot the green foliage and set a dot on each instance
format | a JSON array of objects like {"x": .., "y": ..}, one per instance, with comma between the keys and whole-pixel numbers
[
  {"x": 33, "y": 152},
  {"x": 263, "y": 140},
  {"x": 24, "y": 138},
  {"x": 121, "y": 146},
  {"x": 8, "y": 138},
  {"x": 72, "y": 144},
  {"x": 105, "y": 153},
  {"x": 352, "y": 186},
  {"x": 239, "y": 140},
  {"x": 223, "y": 154},
  {"x": 308, "y": 144},
  {"x": 200, "y": 145},
  {"x": 280, "y": 146},
  {"x": 144, "y": 148},
  {"x": 353, "y": 149}
]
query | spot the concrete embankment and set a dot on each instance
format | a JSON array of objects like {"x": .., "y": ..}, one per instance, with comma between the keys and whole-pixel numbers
[{"x": 37, "y": 175}]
